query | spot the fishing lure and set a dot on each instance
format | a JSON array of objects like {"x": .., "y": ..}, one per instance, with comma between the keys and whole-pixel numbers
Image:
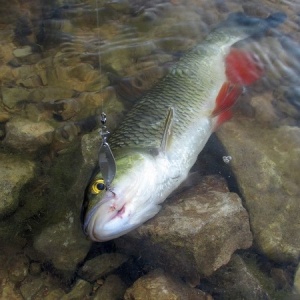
[{"x": 106, "y": 160}]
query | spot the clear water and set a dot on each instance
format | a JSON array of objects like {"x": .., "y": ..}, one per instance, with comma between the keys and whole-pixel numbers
[{"x": 53, "y": 88}]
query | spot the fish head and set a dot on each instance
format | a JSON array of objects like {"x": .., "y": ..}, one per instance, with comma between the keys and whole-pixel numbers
[{"x": 125, "y": 204}]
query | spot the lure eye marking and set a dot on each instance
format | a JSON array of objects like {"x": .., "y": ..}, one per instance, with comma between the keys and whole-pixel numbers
[{"x": 98, "y": 186}]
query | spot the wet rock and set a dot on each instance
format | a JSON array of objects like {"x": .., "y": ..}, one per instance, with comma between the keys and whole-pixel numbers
[
  {"x": 63, "y": 244},
  {"x": 195, "y": 233},
  {"x": 31, "y": 286},
  {"x": 297, "y": 282},
  {"x": 14, "y": 174},
  {"x": 11, "y": 96},
  {"x": 18, "y": 266},
  {"x": 101, "y": 266},
  {"x": 265, "y": 162},
  {"x": 4, "y": 117},
  {"x": 112, "y": 289},
  {"x": 24, "y": 135},
  {"x": 21, "y": 52},
  {"x": 239, "y": 280},
  {"x": 8, "y": 290},
  {"x": 159, "y": 285},
  {"x": 51, "y": 93},
  {"x": 55, "y": 294},
  {"x": 80, "y": 291},
  {"x": 35, "y": 268}
]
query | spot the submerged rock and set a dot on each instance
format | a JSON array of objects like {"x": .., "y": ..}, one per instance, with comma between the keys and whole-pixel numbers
[
  {"x": 195, "y": 233},
  {"x": 14, "y": 174},
  {"x": 101, "y": 266},
  {"x": 24, "y": 135},
  {"x": 81, "y": 290},
  {"x": 159, "y": 285},
  {"x": 266, "y": 164},
  {"x": 297, "y": 281},
  {"x": 239, "y": 280},
  {"x": 63, "y": 244},
  {"x": 112, "y": 289}
]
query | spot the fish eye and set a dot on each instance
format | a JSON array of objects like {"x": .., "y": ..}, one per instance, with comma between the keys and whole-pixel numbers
[{"x": 97, "y": 186}]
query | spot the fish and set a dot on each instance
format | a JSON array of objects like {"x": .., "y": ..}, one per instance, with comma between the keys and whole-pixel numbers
[{"x": 160, "y": 138}]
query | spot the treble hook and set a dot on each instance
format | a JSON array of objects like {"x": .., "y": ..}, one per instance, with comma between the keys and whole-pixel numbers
[{"x": 107, "y": 161}]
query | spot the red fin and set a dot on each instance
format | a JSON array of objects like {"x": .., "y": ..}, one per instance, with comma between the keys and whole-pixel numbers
[
  {"x": 226, "y": 98},
  {"x": 242, "y": 67},
  {"x": 223, "y": 117}
]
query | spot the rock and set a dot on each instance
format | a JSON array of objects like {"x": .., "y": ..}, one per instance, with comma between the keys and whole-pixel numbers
[
  {"x": 195, "y": 233},
  {"x": 56, "y": 294},
  {"x": 159, "y": 285},
  {"x": 265, "y": 163},
  {"x": 80, "y": 291},
  {"x": 8, "y": 291},
  {"x": 24, "y": 135},
  {"x": 18, "y": 266},
  {"x": 244, "y": 278},
  {"x": 297, "y": 281},
  {"x": 101, "y": 266},
  {"x": 22, "y": 52},
  {"x": 14, "y": 174},
  {"x": 238, "y": 280},
  {"x": 35, "y": 268},
  {"x": 112, "y": 289},
  {"x": 11, "y": 96},
  {"x": 30, "y": 287},
  {"x": 63, "y": 244},
  {"x": 4, "y": 117}
]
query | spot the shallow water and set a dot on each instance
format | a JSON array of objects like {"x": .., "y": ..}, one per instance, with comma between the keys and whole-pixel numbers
[{"x": 59, "y": 69}]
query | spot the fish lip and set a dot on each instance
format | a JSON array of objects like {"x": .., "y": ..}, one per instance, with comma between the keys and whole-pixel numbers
[{"x": 119, "y": 212}]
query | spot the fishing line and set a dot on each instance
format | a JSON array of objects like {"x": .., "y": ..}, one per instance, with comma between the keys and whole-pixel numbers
[{"x": 106, "y": 159}]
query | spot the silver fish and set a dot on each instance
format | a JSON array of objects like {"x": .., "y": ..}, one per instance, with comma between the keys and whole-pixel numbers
[{"x": 161, "y": 137}]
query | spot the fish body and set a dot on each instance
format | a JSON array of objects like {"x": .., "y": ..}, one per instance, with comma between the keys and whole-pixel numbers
[{"x": 159, "y": 140}]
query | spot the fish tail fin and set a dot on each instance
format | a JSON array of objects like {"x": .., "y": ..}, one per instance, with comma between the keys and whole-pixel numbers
[{"x": 251, "y": 26}]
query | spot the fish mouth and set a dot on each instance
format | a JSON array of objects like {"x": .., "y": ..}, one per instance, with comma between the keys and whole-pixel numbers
[{"x": 119, "y": 213}]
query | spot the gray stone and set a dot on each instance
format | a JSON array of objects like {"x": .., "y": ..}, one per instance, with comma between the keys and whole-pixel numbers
[
  {"x": 266, "y": 165},
  {"x": 30, "y": 287},
  {"x": 18, "y": 268},
  {"x": 63, "y": 244},
  {"x": 14, "y": 174},
  {"x": 80, "y": 291},
  {"x": 112, "y": 289},
  {"x": 25, "y": 135},
  {"x": 101, "y": 266},
  {"x": 159, "y": 285},
  {"x": 195, "y": 233},
  {"x": 22, "y": 52},
  {"x": 238, "y": 280},
  {"x": 11, "y": 96}
]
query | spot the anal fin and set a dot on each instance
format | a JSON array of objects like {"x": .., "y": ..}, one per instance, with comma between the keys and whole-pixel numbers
[{"x": 228, "y": 95}]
